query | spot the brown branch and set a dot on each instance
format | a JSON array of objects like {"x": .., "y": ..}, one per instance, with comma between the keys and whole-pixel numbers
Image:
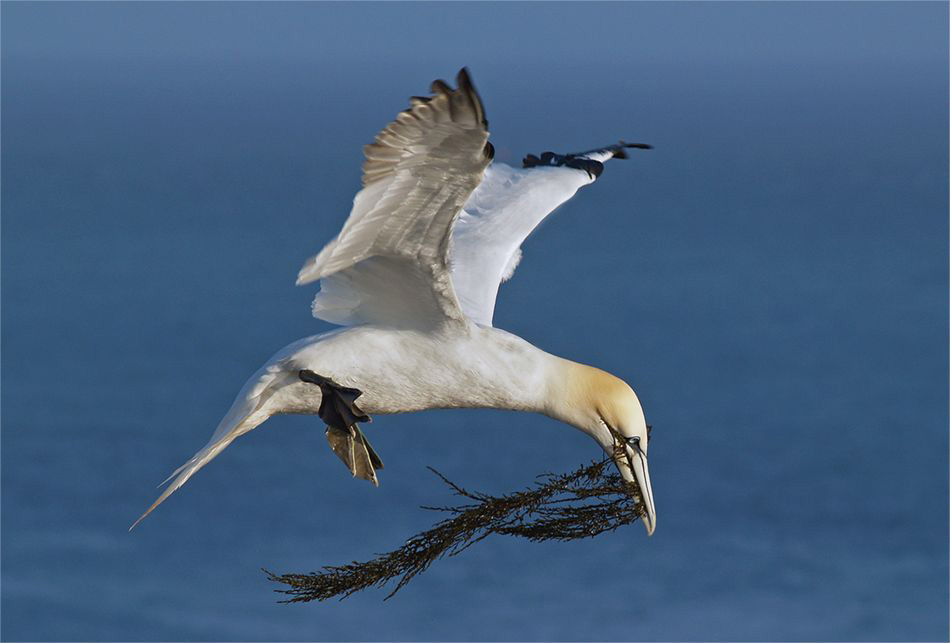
[{"x": 580, "y": 504}]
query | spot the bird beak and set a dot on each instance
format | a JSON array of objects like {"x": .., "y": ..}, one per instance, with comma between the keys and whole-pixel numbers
[{"x": 633, "y": 467}]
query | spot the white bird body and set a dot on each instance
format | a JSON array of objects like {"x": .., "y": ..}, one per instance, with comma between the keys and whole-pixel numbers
[
  {"x": 456, "y": 367},
  {"x": 414, "y": 274}
]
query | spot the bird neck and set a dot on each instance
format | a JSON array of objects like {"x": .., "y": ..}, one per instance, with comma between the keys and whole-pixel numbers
[
  {"x": 575, "y": 392},
  {"x": 501, "y": 370}
]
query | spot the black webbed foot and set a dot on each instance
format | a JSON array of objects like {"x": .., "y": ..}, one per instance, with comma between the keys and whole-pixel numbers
[
  {"x": 338, "y": 409},
  {"x": 338, "y": 403}
]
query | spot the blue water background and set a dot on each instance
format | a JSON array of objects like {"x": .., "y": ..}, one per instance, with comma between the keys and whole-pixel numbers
[{"x": 771, "y": 279}]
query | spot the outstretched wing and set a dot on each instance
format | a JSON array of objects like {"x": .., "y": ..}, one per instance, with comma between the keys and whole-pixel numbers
[
  {"x": 389, "y": 264},
  {"x": 504, "y": 209}
]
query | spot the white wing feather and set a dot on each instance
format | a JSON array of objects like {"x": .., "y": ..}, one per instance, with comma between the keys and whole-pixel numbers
[
  {"x": 389, "y": 264},
  {"x": 501, "y": 213},
  {"x": 505, "y": 208}
]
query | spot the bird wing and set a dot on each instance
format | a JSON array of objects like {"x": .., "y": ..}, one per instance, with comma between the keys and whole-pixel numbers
[
  {"x": 504, "y": 209},
  {"x": 389, "y": 263}
]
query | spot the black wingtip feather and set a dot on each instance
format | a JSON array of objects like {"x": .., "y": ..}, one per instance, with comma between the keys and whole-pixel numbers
[
  {"x": 464, "y": 81},
  {"x": 440, "y": 87},
  {"x": 465, "y": 85},
  {"x": 581, "y": 160},
  {"x": 620, "y": 151}
]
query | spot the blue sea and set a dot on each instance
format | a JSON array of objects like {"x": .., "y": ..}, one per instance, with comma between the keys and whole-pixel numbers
[{"x": 772, "y": 279}]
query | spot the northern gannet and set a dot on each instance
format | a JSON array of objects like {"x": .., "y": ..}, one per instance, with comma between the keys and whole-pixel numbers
[{"x": 413, "y": 277}]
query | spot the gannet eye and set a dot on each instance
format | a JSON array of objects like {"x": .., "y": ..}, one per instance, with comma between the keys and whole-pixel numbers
[{"x": 634, "y": 441}]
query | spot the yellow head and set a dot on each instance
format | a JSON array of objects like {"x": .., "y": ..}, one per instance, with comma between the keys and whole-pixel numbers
[{"x": 607, "y": 409}]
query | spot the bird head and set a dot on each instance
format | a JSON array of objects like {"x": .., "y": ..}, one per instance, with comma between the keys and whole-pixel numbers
[{"x": 610, "y": 412}]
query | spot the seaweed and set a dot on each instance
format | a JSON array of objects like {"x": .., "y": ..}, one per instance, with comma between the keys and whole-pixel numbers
[{"x": 581, "y": 504}]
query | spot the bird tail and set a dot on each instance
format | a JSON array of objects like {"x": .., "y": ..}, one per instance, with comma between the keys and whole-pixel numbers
[{"x": 247, "y": 412}]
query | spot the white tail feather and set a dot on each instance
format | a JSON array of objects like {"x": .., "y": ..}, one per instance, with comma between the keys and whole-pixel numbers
[
  {"x": 188, "y": 469},
  {"x": 247, "y": 412}
]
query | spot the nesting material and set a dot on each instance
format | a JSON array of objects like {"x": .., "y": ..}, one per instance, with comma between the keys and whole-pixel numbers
[{"x": 581, "y": 504}]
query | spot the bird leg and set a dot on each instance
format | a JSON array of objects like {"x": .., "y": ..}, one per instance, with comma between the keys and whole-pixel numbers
[{"x": 338, "y": 409}]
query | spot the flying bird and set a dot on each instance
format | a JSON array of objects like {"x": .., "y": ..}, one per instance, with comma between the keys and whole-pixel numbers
[{"x": 412, "y": 279}]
